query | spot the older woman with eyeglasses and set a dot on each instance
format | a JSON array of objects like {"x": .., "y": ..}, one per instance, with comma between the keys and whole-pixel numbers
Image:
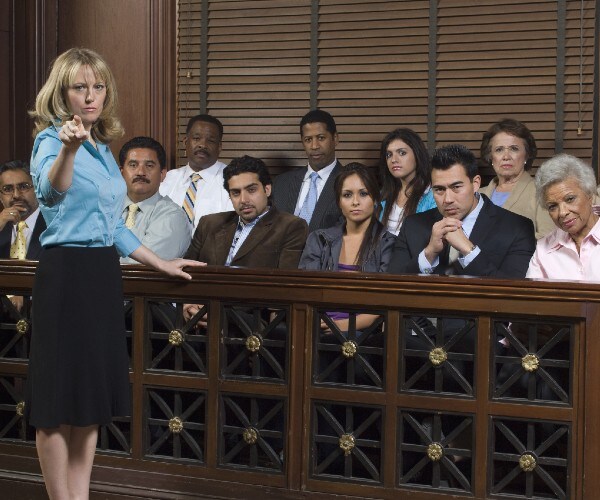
[
  {"x": 509, "y": 147},
  {"x": 565, "y": 187}
]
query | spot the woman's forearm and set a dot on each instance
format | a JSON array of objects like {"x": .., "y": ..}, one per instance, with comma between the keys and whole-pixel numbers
[{"x": 60, "y": 174}]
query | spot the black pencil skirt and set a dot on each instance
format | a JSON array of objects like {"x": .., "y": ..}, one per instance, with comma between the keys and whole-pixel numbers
[{"x": 78, "y": 365}]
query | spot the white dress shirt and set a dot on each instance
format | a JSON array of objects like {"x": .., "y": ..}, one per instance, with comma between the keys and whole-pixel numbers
[
  {"x": 464, "y": 260},
  {"x": 30, "y": 221},
  {"x": 324, "y": 174},
  {"x": 211, "y": 197}
]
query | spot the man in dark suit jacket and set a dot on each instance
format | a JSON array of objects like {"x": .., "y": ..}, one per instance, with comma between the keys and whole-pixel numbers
[
  {"x": 466, "y": 234},
  {"x": 255, "y": 234},
  {"x": 292, "y": 190},
  {"x": 20, "y": 205}
]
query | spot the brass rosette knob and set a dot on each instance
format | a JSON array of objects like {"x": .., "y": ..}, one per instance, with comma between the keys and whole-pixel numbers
[
  {"x": 20, "y": 408},
  {"x": 175, "y": 425},
  {"x": 250, "y": 435},
  {"x": 437, "y": 356},
  {"x": 347, "y": 443},
  {"x": 530, "y": 362},
  {"x": 527, "y": 462},
  {"x": 435, "y": 452},
  {"x": 349, "y": 348},
  {"x": 176, "y": 337},
  {"x": 22, "y": 326},
  {"x": 253, "y": 343}
]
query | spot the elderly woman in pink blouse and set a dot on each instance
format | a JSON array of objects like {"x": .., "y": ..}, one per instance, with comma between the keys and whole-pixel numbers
[{"x": 565, "y": 186}]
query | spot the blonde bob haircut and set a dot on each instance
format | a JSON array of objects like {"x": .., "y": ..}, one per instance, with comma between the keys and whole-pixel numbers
[{"x": 51, "y": 108}]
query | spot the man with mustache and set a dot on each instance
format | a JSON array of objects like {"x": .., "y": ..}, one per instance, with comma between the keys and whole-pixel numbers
[
  {"x": 198, "y": 186},
  {"x": 156, "y": 220},
  {"x": 20, "y": 220}
]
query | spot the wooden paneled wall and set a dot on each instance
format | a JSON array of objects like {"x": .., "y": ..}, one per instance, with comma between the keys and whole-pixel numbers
[
  {"x": 4, "y": 70},
  {"x": 136, "y": 37}
]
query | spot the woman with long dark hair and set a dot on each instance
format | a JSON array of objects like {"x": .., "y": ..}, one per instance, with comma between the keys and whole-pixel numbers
[
  {"x": 405, "y": 174},
  {"x": 360, "y": 243}
]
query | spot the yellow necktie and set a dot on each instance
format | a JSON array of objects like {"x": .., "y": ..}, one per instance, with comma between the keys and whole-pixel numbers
[
  {"x": 18, "y": 250},
  {"x": 190, "y": 197},
  {"x": 130, "y": 221}
]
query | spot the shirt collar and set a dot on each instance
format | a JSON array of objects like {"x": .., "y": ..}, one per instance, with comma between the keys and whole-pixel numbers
[
  {"x": 144, "y": 204},
  {"x": 207, "y": 174},
  {"x": 242, "y": 224},
  {"x": 32, "y": 219},
  {"x": 469, "y": 221},
  {"x": 323, "y": 173},
  {"x": 563, "y": 239}
]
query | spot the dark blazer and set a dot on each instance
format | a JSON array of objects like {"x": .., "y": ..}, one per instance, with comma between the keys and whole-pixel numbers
[
  {"x": 286, "y": 189},
  {"x": 507, "y": 242},
  {"x": 34, "y": 249},
  {"x": 276, "y": 241}
]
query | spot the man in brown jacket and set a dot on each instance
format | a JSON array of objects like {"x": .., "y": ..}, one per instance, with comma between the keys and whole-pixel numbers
[{"x": 255, "y": 234}]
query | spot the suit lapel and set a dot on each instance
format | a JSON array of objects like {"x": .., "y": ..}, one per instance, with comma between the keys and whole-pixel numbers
[
  {"x": 256, "y": 236},
  {"x": 293, "y": 190},
  {"x": 224, "y": 238},
  {"x": 5, "y": 241},
  {"x": 514, "y": 197},
  {"x": 327, "y": 196},
  {"x": 484, "y": 223},
  {"x": 35, "y": 247}
]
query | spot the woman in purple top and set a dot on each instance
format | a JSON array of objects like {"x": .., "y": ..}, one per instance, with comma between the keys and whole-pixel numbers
[{"x": 360, "y": 243}]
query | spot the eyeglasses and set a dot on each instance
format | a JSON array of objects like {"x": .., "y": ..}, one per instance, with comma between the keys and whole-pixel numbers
[{"x": 22, "y": 187}]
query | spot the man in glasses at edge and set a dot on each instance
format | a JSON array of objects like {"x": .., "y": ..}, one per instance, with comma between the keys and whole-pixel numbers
[
  {"x": 20, "y": 221},
  {"x": 20, "y": 205}
]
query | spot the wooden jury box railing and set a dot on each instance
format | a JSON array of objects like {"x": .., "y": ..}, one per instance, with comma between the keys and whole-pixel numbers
[{"x": 460, "y": 386}]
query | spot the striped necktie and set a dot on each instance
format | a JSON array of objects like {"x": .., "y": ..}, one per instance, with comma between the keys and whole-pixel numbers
[
  {"x": 308, "y": 207},
  {"x": 18, "y": 249},
  {"x": 190, "y": 197},
  {"x": 130, "y": 221}
]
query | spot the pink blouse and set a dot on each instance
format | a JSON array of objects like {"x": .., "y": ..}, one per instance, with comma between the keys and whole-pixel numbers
[{"x": 556, "y": 256}]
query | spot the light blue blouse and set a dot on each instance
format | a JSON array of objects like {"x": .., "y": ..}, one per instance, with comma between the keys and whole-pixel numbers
[
  {"x": 427, "y": 202},
  {"x": 88, "y": 214}
]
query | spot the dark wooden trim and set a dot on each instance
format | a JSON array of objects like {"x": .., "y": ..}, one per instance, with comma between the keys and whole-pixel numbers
[
  {"x": 560, "y": 75},
  {"x": 596, "y": 103},
  {"x": 34, "y": 46},
  {"x": 432, "y": 81},
  {"x": 314, "y": 54},
  {"x": 204, "y": 57},
  {"x": 163, "y": 76},
  {"x": 486, "y": 300}
]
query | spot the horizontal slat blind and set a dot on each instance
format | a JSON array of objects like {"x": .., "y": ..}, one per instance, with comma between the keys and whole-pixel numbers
[
  {"x": 579, "y": 145},
  {"x": 188, "y": 68},
  {"x": 492, "y": 59},
  {"x": 258, "y": 77},
  {"x": 495, "y": 60},
  {"x": 373, "y": 70}
]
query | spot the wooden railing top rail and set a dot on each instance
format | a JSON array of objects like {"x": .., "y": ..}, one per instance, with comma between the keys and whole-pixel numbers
[{"x": 142, "y": 281}]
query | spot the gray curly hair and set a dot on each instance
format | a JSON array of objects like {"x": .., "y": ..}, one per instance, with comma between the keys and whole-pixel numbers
[{"x": 560, "y": 167}]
